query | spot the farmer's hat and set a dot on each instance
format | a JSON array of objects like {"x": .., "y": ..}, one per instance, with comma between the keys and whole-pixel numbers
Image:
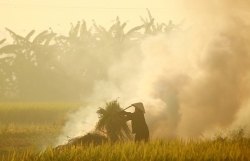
[{"x": 140, "y": 106}]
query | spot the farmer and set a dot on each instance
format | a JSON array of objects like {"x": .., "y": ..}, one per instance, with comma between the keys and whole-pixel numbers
[{"x": 139, "y": 126}]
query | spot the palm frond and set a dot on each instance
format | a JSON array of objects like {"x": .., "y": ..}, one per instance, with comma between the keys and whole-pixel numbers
[
  {"x": 39, "y": 37},
  {"x": 10, "y": 48},
  {"x": 83, "y": 29},
  {"x": 149, "y": 15},
  {"x": 17, "y": 38},
  {"x": 48, "y": 38},
  {"x": 134, "y": 29},
  {"x": 2, "y": 41},
  {"x": 74, "y": 30},
  {"x": 123, "y": 26},
  {"x": 71, "y": 29},
  {"x": 29, "y": 35}
]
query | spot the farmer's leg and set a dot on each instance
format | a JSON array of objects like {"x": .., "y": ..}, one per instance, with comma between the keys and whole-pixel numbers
[
  {"x": 139, "y": 137},
  {"x": 142, "y": 136},
  {"x": 146, "y": 135}
]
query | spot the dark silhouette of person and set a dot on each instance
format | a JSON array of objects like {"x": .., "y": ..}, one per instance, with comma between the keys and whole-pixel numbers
[{"x": 139, "y": 126}]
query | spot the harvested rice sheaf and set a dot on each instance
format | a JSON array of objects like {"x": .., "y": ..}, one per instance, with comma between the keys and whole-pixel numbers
[
  {"x": 113, "y": 122},
  {"x": 93, "y": 138},
  {"x": 90, "y": 138}
]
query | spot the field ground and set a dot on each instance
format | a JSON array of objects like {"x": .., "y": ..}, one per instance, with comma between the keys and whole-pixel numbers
[
  {"x": 35, "y": 113},
  {"x": 157, "y": 150},
  {"x": 25, "y": 129},
  {"x": 26, "y": 126}
]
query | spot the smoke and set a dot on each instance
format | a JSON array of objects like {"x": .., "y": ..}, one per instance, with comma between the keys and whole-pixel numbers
[
  {"x": 191, "y": 82},
  {"x": 220, "y": 87},
  {"x": 79, "y": 123}
]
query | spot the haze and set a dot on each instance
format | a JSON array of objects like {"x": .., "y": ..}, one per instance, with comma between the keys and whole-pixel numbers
[
  {"x": 24, "y": 16},
  {"x": 192, "y": 81}
]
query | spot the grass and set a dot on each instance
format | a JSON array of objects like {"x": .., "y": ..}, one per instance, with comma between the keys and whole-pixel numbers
[
  {"x": 19, "y": 138},
  {"x": 35, "y": 113},
  {"x": 26, "y": 140},
  {"x": 156, "y": 150},
  {"x": 25, "y": 126}
]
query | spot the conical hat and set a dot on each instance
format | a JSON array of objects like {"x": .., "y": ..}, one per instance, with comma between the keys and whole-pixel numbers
[{"x": 140, "y": 106}]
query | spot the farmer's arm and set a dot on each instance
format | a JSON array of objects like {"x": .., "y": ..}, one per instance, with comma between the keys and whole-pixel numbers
[{"x": 128, "y": 115}]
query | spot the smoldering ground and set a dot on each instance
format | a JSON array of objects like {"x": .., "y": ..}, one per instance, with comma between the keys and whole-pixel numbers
[{"x": 191, "y": 82}]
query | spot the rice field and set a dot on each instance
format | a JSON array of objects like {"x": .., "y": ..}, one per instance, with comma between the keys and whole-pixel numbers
[
  {"x": 26, "y": 126},
  {"x": 26, "y": 130},
  {"x": 35, "y": 113},
  {"x": 157, "y": 150}
]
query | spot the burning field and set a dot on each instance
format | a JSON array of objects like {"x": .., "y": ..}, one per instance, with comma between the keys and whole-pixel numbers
[
  {"x": 192, "y": 77},
  {"x": 31, "y": 142}
]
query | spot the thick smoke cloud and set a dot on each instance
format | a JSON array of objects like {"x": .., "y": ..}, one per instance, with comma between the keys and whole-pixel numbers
[
  {"x": 220, "y": 88},
  {"x": 191, "y": 82}
]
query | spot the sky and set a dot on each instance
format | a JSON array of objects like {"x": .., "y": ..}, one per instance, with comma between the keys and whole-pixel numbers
[{"x": 26, "y": 15}]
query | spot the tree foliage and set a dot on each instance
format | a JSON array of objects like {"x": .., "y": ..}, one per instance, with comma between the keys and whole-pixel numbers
[{"x": 52, "y": 67}]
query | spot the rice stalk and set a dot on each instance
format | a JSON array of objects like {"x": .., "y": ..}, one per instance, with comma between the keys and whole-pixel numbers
[{"x": 113, "y": 122}]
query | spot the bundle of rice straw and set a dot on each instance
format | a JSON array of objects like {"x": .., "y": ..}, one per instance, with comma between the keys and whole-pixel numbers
[
  {"x": 90, "y": 138},
  {"x": 94, "y": 138},
  {"x": 113, "y": 122}
]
